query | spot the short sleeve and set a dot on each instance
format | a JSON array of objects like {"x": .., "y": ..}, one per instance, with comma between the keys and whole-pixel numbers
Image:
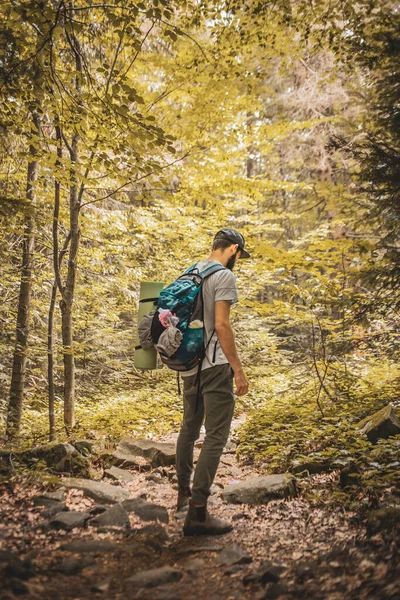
[{"x": 225, "y": 286}]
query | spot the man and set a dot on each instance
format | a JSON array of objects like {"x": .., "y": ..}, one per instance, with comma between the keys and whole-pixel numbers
[{"x": 215, "y": 405}]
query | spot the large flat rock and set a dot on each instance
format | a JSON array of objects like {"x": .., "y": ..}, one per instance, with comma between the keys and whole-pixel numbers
[
  {"x": 146, "y": 511},
  {"x": 104, "y": 493},
  {"x": 69, "y": 520},
  {"x": 119, "y": 474},
  {"x": 159, "y": 454},
  {"x": 127, "y": 459},
  {"x": 260, "y": 490},
  {"x": 155, "y": 577},
  {"x": 116, "y": 516},
  {"x": 233, "y": 555}
]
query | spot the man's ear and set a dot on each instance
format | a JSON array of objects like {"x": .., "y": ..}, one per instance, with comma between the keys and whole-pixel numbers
[{"x": 235, "y": 248}]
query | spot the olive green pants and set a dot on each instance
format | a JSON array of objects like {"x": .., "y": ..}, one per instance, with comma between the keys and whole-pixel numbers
[{"x": 215, "y": 407}]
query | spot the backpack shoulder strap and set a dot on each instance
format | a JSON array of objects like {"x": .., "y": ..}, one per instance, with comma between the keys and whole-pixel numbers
[
  {"x": 189, "y": 269},
  {"x": 207, "y": 272},
  {"x": 211, "y": 270}
]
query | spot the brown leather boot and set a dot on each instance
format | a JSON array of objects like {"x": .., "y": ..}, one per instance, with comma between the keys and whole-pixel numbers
[
  {"x": 200, "y": 522},
  {"x": 184, "y": 495}
]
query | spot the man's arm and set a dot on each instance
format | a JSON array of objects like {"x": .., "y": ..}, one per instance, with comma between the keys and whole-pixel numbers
[{"x": 227, "y": 340}]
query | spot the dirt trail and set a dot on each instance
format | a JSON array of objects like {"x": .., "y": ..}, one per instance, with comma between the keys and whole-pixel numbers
[{"x": 306, "y": 551}]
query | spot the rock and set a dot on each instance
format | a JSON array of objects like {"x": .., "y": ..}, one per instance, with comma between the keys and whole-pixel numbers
[
  {"x": 233, "y": 555},
  {"x": 154, "y": 478},
  {"x": 98, "y": 509},
  {"x": 146, "y": 511},
  {"x": 380, "y": 425},
  {"x": 116, "y": 516},
  {"x": 20, "y": 569},
  {"x": 125, "y": 459},
  {"x": 155, "y": 577},
  {"x": 58, "y": 495},
  {"x": 159, "y": 454},
  {"x": 45, "y": 502},
  {"x": 86, "y": 546},
  {"x": 86, "y": 447},
  {"x": 101, "y": 492},
  {"x": 230, "y": 447},
  {"x": 18, "y": 587},
  {"x": 266, "y": 573},
  {"x": 274, "y": 590},
  {"x": 53, "y": 510},
  {"x": 119, "y": 474},
  {"x": 233, "y": 569},
  {"x": 194, "y": 566},
  {"x": 102, "y": 586},
  {"x": 69, "y": 520},
  {"x": 312, "y": 467},
  {"x": 241, "y": 515},
  {"x": 59, "y": 458},
  {"x": 154, "y": 530},
  {"x": 260, "y": 490},
  {"x": 384, "y": 519},
  {"x": 236, "y": 472},
  {"x": 73, "y": 566}
]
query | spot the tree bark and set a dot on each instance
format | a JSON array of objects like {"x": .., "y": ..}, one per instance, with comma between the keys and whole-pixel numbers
[
  {"x": 57, "y": 284},
  {"x": 66, "y": 303},
  {"x": 68, "y": 291},
  {"x": 24, "y": 300}
]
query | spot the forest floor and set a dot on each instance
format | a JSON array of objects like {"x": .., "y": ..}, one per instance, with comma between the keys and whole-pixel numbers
[{"x": 295, "y": 548}]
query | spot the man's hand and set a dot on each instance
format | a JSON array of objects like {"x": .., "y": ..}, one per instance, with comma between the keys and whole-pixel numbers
[{"x": 242, "y": 385}]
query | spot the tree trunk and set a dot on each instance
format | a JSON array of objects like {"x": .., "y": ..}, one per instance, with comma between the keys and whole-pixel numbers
[
  {"x": 50, "y": 354},
  {"x": 50, "y": 364},
  {"x": 24, "y": 301},
  {"x": 56, "y": 285},
  {"x": 67, "y": 300}
]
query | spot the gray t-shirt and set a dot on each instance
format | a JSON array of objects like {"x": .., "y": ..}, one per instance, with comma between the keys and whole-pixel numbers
[{"x": 218, "y": 286}]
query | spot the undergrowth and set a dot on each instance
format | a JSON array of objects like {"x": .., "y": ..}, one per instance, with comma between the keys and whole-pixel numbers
[{"x": 286, "y": 429}]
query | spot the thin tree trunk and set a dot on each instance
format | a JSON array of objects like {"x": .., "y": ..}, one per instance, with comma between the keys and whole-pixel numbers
[
  {"x": 66, "y": 303},
  {"x": 56, "y": 285},
  {"x": 50, "y": 353},
  {"x": 24, "y": 301},
  {"x": 50, "y": 364},
  {"x": 67, "y": 300}
]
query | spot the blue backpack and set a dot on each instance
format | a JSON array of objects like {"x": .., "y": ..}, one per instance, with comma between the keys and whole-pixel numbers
[{"x": 184, "y": 298}]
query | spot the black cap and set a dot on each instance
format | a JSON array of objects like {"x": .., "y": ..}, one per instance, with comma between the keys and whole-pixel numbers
[{"x": 235, "y": 237}]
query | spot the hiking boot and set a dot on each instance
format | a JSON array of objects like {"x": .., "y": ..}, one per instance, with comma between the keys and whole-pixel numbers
[
  {"x": 200, "y": 522},
  {"x": 184, "y": 494}
]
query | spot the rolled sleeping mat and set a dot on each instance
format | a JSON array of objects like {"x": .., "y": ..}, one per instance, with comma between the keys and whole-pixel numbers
[{"x": 149, "y": 292}]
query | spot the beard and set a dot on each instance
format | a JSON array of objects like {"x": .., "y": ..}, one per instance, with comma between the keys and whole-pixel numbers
[{"x": 231, "y": 262}]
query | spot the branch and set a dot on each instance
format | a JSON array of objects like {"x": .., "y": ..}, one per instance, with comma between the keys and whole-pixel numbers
[
  {"x": 186, "y": 35},
  {"x": 121, "y": 187},
  {"x": 138, "y": 51}
]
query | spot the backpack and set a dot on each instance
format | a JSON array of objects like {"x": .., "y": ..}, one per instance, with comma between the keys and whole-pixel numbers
[{"x": 184, "y": 299}]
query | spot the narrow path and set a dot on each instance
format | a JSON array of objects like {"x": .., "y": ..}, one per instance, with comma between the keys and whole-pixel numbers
[{"x": 286, "y": 549}]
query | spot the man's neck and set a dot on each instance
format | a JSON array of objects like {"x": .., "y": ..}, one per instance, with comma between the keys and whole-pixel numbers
[{"x": 218, "y": 257}]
